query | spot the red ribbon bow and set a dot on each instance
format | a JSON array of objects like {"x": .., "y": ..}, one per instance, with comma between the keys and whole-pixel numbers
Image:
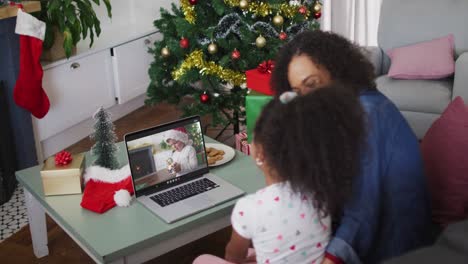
[
  {"x": 18, "y": 5},
  {"x": 266, "y": 66},
  {"x": 63, "y": 158}
]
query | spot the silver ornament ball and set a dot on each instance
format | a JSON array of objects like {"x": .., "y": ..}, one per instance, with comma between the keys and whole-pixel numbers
[
  {"x": 212, "y": 48},
  {"x": 243, "y": 4},
  {"x": 278, "y": 20},
  {"x": 317, "y": 7},
  {"x": 260, "y": 42},
  {"x": 165, "y": 52}
]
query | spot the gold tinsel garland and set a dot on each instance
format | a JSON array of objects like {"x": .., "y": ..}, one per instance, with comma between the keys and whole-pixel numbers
[
  {"x": 195, "y": 60},
  {"x": 264, "y": 9},
  {"x": 189, "y": 11}
]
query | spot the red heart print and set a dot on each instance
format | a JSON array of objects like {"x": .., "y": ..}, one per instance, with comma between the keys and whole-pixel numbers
[
  {"x": 241, "y": 213},
  {"x": 279, "y": 237},
  {"x": 304, "y": 198},
  {"x": 292, "y": 247},
  {"x": 302, "y": 215},
  {"x": 267, "y": 261},
  {"x": 260, "y": 202},
  {"x": 319, "y": 245},
  {"x": 324, "y": 227},
  {"x": 276, "y": 250},
  {"x": 277, "y": 198}
]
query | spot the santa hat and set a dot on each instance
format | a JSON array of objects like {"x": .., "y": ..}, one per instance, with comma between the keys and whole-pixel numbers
[
  {"x": 106, "y": 188},
  {"x": 179, "y": 134}
]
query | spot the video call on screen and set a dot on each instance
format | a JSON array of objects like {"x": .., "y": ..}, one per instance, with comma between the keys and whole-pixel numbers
[{"x": 166, "y": 155}]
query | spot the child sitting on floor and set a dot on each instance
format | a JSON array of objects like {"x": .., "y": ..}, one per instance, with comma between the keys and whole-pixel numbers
[{"x": 308, "y": 149}]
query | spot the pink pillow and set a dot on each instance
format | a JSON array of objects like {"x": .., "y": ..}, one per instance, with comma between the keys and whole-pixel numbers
[
  {"x": 426, "y": 60},
  {"x": 445, "y": 154}
]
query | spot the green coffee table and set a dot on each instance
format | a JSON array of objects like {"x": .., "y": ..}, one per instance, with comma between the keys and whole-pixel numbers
[{"x": 132, "y": 234}]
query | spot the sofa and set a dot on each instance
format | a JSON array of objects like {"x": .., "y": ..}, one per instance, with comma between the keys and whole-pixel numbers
[
  {"x": 451, "y": 247},
  {"x": 405, "y": 22}
]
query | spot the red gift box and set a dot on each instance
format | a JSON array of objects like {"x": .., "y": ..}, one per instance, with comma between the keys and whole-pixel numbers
[
  {"x": 242, "y": 144},
  {"x": 259, "y": 79}
]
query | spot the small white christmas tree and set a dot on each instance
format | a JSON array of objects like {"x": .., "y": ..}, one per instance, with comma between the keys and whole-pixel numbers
[{"x": 105, "y": 138}]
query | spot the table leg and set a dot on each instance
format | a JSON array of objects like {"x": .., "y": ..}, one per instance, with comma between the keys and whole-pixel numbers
[{"x": 37, "y": 225}]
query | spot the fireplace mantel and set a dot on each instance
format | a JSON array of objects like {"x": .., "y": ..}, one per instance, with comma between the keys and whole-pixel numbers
[{"x": 11, "y": 11}]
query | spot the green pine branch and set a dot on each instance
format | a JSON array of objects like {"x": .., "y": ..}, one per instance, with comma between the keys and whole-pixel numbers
[{"x": 229, "y": 28}]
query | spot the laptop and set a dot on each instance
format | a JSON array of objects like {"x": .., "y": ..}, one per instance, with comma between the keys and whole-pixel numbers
[{"x": 170, "y": 173}]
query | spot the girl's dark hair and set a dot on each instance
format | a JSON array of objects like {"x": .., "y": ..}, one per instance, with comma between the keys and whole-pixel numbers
[
  {"x": 314, "y": 142},
  {"x": 344, "y": 61}
]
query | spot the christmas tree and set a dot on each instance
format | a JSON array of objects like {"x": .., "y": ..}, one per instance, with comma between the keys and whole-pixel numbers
[
  {"x": 208, "y": 45},
  {"x": 105, "y": 138}
]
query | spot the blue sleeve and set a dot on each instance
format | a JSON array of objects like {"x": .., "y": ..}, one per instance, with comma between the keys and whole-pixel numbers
[{"x": 358, "y": 225}]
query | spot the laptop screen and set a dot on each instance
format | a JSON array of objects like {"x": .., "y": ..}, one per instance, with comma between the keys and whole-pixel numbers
[{"x": 163, "y": 156}]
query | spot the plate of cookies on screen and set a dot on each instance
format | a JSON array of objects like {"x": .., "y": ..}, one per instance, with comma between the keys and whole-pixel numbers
[{"x": 218, "y": 154}]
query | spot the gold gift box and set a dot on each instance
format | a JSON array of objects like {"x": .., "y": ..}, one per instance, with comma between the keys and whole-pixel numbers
[{"x": 68, "y": 179}]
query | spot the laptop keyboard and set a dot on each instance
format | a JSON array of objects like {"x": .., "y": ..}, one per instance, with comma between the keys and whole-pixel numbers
[{"x": 184, "y": 192}]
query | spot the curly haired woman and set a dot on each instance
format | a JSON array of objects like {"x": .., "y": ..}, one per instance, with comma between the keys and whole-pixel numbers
[{"x": 388, "y": 213}]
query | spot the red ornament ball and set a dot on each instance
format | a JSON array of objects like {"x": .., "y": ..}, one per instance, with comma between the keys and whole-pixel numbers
[
  {"x": 283, "y": 35},
  {"x": 317, "y": 15},
  {"x": 63, "y": 158},
  {"x": 193, "y": 2},
  {"x": 302, "y": 10},
  {"x": 204, "y": 98},
  {"x": 184, "y": 43},
  {"x": 235, "y": 55}
]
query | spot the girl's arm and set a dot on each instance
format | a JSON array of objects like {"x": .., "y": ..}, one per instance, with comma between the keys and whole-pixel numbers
[{"x": 237, "y": 248}]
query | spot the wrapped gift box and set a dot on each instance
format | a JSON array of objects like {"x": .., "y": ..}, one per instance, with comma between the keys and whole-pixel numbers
[
  {"x": 242, "y": 144},
  {"x": 67, "y": 179},
  {"x": 258, "y": 81},
  {"x": 254, "y": 103}
]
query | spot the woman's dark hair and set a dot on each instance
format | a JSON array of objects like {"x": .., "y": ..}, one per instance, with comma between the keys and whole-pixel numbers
[
  {"x": 314, "y": 142},
  {"x": 344, "y": 61}
]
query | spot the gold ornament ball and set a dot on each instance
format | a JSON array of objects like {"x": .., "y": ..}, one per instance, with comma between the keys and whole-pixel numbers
[
  {"x": 260, "y": 42},
  {"x": 317, "y": 7},
  {"x": 212, "y": 48},
  {"x": 244, "y": 4},
  {"x": 165, "y": 52},
  {"x": 278, "y": 20}
]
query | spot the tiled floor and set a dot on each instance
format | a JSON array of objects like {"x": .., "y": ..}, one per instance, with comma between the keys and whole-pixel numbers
[{"x": 13, "y": 214}]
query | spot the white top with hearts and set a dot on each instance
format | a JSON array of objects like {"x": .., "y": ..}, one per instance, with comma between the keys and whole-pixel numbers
[{"x": 283, "y": 226}]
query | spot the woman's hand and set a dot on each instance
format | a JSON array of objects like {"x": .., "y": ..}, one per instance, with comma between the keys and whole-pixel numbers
[
  {"x": 327, "y": 261},
  {"x": 177, "y": 167}
]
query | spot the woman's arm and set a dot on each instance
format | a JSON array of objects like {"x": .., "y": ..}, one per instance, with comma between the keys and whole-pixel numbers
[
  {"x": 359, "y": 224},
  {"x": 237, "y": 248}
]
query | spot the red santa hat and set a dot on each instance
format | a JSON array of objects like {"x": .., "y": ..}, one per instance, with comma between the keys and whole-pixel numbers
[
  {"x": 106, "y": 188},
  {"x": 179, "y": 134}
]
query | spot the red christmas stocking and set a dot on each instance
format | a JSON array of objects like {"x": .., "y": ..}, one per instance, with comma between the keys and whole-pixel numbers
[{"x": 28, "y": 92}]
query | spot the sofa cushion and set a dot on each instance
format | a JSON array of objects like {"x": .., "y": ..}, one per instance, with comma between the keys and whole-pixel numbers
[
  {"x": 426, "y": 60},
  {"x": 444, "y": 150},
  {"x": 417, "y": 22},
  {"x": 427, "y": 96}
]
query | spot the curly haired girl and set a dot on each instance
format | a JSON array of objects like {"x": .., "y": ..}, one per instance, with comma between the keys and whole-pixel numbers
[{"x": 308, "y": 150}]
